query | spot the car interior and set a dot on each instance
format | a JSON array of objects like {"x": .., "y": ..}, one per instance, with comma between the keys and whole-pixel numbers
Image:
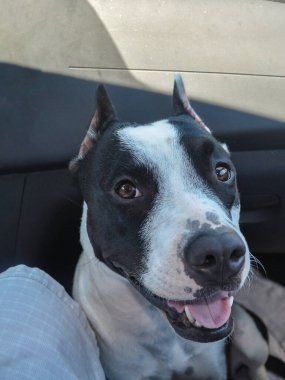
[{"x": 53, "y": 55}]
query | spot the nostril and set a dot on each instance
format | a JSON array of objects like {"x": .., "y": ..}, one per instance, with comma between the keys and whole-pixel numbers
[
  {"x": 209, "y": 261},
  {"x": 236, "y": 255}
]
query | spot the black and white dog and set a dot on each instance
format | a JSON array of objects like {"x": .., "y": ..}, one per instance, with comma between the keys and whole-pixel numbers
[{"x": 163, "y": 255}]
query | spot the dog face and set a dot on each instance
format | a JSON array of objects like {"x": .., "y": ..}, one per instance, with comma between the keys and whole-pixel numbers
[{"x": 163, "y": 212}]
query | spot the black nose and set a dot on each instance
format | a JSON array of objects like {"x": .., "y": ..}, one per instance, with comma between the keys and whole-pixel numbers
[{"x": 215, "y": 258}]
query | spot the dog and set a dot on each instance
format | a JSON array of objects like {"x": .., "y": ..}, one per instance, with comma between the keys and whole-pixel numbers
[{"x": 163, "y": 255}]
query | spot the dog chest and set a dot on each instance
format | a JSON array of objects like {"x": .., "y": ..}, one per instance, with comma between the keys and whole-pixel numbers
[{"x": 163, "y": 355}]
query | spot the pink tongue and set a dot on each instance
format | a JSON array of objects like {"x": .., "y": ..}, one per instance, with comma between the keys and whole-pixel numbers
[{"x": 211, "y": 313}]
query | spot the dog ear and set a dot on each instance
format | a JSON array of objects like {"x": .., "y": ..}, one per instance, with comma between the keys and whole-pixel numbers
[
  {"x": 105, "y": 113},
  {"x": 181, "y": 103}
]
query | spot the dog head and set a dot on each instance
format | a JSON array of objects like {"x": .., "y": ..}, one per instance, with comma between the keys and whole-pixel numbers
[{"x": 163, "y": 211}]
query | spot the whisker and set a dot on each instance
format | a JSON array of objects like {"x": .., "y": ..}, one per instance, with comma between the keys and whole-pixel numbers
[
  {"x": 249, "y": 280},
  {"x": 257, "y": 264}
]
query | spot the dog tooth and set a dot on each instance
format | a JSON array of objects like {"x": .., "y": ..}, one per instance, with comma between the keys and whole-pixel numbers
[
  {"x": 231, "y": 300},
  {"x": 197, "y": 324},
  {"x": 189, "y": 315}
]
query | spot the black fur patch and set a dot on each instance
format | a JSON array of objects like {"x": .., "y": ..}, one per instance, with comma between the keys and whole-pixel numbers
[{"x": 113, "y": 223}]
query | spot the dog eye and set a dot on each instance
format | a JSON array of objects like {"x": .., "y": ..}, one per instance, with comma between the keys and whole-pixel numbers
[
  {"x": 127, "y": 190},
  {"x": 223, "y": 173}
]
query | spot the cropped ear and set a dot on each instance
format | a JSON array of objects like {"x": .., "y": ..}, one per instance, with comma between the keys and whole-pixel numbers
[
  {"x": 105, "y": 113},
  {"x": 181, "y": 103}
]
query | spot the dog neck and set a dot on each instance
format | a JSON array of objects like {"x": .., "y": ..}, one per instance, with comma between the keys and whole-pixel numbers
[{"x": 129, "y": 329}]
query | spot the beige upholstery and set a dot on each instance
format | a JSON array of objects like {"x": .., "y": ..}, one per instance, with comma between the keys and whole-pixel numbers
[{"x": 231, "y": 53}]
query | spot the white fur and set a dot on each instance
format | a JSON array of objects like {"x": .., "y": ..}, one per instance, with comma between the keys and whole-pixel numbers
[
  {"x": 226, "y": 148},
  {"x": 135, "y": 339},
  {"x": 183, "y": 195}
]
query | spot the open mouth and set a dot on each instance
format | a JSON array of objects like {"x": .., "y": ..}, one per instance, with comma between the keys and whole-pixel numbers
[{"x": 205, "y": 319}]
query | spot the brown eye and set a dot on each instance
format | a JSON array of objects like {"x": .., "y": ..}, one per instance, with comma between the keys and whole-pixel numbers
[
  {"x": 223, "y": 173},
  {"x": 127, "y": 190}
]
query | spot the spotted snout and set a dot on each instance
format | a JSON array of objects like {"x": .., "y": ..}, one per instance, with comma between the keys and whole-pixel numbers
[{"x": 215, "y": 258}]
